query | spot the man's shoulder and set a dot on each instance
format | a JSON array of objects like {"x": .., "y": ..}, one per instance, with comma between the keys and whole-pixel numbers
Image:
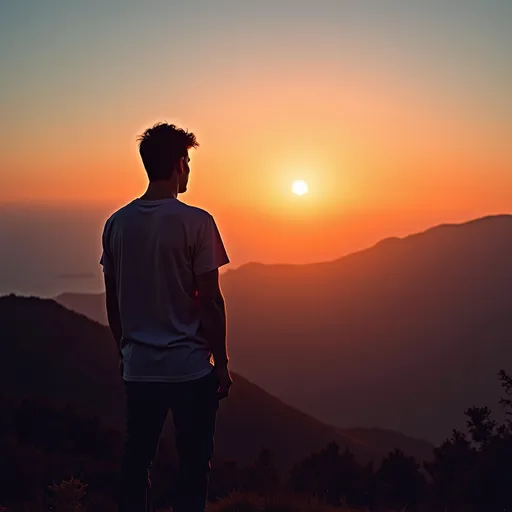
[
  {"x": 118, "y": 213},
  {"x": 187, "y": 213},
  {"x": 194, "y": 213}
]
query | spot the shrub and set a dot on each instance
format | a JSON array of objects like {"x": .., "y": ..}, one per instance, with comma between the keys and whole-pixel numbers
[{"x": 68, "y": 496}]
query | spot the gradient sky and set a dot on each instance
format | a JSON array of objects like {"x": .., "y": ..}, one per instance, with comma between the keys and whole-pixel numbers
[{"x": 398, "y": 113}]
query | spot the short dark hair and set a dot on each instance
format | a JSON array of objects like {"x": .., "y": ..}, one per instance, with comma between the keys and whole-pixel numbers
[{"x": 161, "y": 148}]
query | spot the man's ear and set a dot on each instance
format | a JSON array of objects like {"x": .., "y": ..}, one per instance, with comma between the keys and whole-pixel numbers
[{"x": 180, "y": 166}]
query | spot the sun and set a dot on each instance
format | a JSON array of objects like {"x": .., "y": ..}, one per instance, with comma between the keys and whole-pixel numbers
[{"x": 300, "y": 187}]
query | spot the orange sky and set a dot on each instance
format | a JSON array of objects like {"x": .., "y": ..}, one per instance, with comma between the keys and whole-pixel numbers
[{"x": 395, "y": 129}]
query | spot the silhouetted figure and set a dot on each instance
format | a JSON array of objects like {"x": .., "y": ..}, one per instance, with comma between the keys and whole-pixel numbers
[{"x": 166, "y": 312}]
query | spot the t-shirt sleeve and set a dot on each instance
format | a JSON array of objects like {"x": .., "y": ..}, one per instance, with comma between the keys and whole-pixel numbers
[
  {"x": 210, "y": 253},
  {"x": 106, "y": 258}
]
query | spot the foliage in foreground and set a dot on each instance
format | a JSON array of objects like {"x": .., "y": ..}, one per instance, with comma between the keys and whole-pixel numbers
[{"x": 41, "y": 444}]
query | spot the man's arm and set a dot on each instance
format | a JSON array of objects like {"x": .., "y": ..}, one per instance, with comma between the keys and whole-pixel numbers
[
  {"x": 213, "y": 314},
  {"x": 114, "y": 318},
  {"x": 213, "y": 323}
]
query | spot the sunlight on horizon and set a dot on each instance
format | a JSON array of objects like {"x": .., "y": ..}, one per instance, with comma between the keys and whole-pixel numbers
[{"x": 300, "y": 187}]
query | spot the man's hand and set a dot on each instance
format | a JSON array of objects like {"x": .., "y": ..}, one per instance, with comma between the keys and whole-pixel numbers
[{"x": 224, "y": 379}]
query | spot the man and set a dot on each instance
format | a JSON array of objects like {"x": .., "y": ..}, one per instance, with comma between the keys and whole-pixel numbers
[{"x": 166, "y": 312}]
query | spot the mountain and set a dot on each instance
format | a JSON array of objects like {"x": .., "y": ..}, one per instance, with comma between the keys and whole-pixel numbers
[
  {"x": 53, "y": 353},
  {"x": 404, "y": 335},
  {"x": 92, "y": 305}
]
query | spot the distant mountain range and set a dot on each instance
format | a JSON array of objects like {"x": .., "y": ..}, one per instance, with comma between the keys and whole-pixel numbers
[
  {"x": 53, "y": 353},
  {"x": 404, "y": 335}
]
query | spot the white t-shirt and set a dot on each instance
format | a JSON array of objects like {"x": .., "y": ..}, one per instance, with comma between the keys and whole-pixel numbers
[{"x": 155, "y": 249}]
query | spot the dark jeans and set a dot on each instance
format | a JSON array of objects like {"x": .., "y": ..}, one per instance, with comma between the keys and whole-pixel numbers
[{"x": 194, "y": 407}]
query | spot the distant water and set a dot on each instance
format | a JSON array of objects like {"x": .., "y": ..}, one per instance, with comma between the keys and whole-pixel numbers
[
  {"x": 48, "y": 251},
  {"x": 49, "y": 286}
]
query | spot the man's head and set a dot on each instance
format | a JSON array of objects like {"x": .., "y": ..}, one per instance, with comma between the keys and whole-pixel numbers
[{"x": 164, "y": 152}]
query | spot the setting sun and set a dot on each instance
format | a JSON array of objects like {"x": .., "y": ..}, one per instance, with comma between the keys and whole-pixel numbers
[{"x": 300, "y": 187}]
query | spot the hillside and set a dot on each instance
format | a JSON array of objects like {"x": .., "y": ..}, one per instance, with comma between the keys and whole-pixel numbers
[
  {"x": 404, "y": 335},
  {"x": 51, "y": 352}
]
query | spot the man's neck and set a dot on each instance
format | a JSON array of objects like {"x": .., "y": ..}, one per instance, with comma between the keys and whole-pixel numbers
[{"x": 164, "y": 189}]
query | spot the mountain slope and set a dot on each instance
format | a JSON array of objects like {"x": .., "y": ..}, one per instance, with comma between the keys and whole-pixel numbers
[
  {"x": 404, "y": 335},
  {"x": 91, "y": 305},
  {"x": 49, "y": 351}
]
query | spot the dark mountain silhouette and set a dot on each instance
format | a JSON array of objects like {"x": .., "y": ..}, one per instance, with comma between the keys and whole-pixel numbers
[
  {"x": 53, "y": 353},
  {"x": 403, "y": 335},
  {"x": 92, "y": 305}
]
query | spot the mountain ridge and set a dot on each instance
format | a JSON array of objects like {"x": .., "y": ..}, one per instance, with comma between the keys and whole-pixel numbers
[{"x": 383, "y": 241}]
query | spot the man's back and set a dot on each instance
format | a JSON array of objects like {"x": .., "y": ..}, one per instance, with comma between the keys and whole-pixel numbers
[
  {"x": 154, "y": 249},
  {"x": 168, "y": 319}
]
